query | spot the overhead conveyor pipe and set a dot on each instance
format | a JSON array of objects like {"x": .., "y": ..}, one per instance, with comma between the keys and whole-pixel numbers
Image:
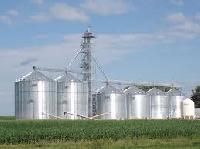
[{"x": 53, "y": 70}]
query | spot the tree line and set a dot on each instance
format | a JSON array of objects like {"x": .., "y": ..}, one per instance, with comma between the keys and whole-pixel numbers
[{"x": 196, "y": 96}]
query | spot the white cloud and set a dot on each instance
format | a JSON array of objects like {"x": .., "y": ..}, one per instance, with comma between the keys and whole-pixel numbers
[
  {"x": 9, "y": 17},
  {"x": 197, "y": 16},
  {"x": 180, "y": 28},
  {"x": 6, "y": 19},
  {"x": 62, "y": 52},
  {"x": 119, "y": 45},
  {"x": 63, "y": 12},
  {"x": 177, "y": 18},
  {"x": 40, "y": 17},
  {"x": 12, "y": 13},
  {"x": 177, "y": 2},
  {"x": 188, "y": 26},
  {"x": 106, "y": 7},
  {"x": 42, "y": 36},
  {"x": 38, "y": 2},
  {"x": 116, "y": 44}
]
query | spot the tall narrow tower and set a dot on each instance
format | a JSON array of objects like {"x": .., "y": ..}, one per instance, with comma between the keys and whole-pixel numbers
[{"x": 86, "y": 65}]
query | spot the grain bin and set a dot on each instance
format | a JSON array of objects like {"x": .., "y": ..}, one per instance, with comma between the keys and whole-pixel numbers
[
  {"x": 138, "y": 103},
  {"x": 111, "y": 102},
  {"x": 35, "y": 97},
  {"x": 72, "y": 95},
  {"x": 18, "y": 100},
  {"x": 159, "y": 104},
  {"x": 175, "y": 98},
  {"x": 188, "y": 109}
]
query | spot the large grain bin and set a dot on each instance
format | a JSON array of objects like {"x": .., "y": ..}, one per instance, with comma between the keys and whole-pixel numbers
[
  {"x": 35, "y": 97},
  {"x": 111, "y": 103},
  {"x": 72, "y": 95},
  {"x": 188, "y": 109},
  {"x": 176, "y": 97},
  {"x": 138, "y": 103},
  {"x": 159, "y": 104}
]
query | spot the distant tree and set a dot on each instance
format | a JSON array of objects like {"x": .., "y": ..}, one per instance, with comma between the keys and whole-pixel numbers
[{"x": 196, "y": 96}]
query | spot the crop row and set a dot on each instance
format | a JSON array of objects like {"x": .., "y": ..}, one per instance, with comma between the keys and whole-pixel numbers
[{"x": 53, "y": 130}]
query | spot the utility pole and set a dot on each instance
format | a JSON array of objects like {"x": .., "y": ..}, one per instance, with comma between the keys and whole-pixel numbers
[{"x": 86, "y": 65}]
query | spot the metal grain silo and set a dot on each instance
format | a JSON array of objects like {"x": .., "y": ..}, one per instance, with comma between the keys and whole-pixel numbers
[
  {"x": 188, "y": 109},
  {"x": 111, "y": 103},
  {"x": 175, "y": 98},
  {"x": 35, "y": 97},
  {"x": 159, "y": 104},
  {"x": 18, "y": 111},
  {"x": 72, "y": 95},
  {"x": 138, "y": 103}
]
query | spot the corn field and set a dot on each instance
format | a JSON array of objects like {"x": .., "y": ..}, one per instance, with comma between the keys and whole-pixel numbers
[{"x": 19, "y": 131}]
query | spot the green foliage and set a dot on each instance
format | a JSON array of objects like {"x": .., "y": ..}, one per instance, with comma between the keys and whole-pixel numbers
[
  {"x": 196, "y": 96},
  {"x": 16, "y": 132},
  {"x": 179, "y": 143},
  {"x": 7, "y": 117},
  {"x": 197, "y": 90}
]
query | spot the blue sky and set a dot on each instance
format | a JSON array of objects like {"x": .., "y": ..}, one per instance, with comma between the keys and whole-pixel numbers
[{"x": 137, "y": 40}]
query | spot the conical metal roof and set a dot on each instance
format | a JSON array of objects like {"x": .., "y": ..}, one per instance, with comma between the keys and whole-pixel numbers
[
  {"x": 188, "y": 100},
  {"x": 66, "y": 78},
  {"x": 109, "y": 89},
  {"x": 133, "y": 90},
  {"x": 34, "y": 76},
  {"x": 155, "y": 91},
  {"x": 175, "y": 92}
]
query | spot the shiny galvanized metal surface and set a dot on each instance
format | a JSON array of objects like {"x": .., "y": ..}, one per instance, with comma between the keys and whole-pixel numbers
[
  {"x": 176, "y": 98},
  {"x": 17, "y": 104},
  {"x": 35, "y": 97},
  {"x": 138, "y": 103},
  {"x": 111, "y": 103},
  {"x": 159, "y": 104},
  {"x": 72, "y": 96}
]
